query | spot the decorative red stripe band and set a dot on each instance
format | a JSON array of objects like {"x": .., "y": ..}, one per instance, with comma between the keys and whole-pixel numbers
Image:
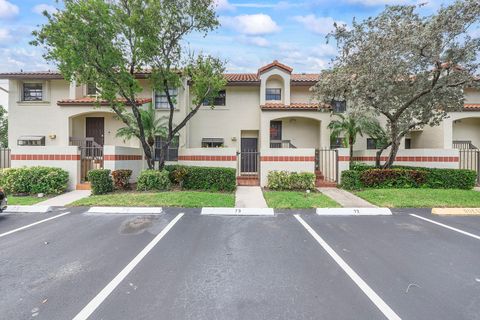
[
  {"x": 404, "y": 159},
  {"x": 207, "y": 158},
  {"x": 44, "y": 157},
  {"x": 287, "y": 158},
  {"x": 121, "y": 157}
]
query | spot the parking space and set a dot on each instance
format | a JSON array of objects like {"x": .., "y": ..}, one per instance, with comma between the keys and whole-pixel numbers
[{"x": 190, "y": 266}]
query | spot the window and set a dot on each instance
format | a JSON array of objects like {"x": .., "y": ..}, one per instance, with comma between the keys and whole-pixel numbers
[
  {"x": 161, "y": 101},
  {"x": 339, "y": 106},
  {"x": 336, "y": 143},
  {"x": 31, "y": 141},
  {"x": 220, "y": 100},
  {"x": 273, "y": 94},
  {"x": 371, "y": 144},
  {"x": 408, "y": 143},
  {"x": 172, "y": 151},
  {"x": 91, "y": 89},
  {"x": 32, "y": 92},
  {"x": 212, "y": 142}
]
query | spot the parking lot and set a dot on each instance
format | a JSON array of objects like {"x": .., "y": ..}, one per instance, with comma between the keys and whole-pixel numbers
[{"x": 68, "y": 264}]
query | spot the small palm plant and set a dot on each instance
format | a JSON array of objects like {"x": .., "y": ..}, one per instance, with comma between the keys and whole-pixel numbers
[
  {"x": 351, "y": 125},
  {"x": 152, "y": 127}
]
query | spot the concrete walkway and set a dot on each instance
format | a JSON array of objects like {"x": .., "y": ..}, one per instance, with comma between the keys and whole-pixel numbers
[
  {"x": 249, "y": 197},
  {"x": 66, "y": 198},
  {"x": 345, "y": 198}
]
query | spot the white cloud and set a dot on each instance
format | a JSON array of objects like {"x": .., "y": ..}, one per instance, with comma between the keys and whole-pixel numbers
[
  {"x": 5, "y": 34},
  {"x": 223, "y": 5},
  {"x": 319, "y": 25},
  {"x": 379, "y": 2},
  {"x": 40, "y": 8},
  {"x": 251, "y": 24},
  {"x": 281, "y": 5},
  {"x": 257, "y": 41},
  {"x": 7, "y": 9}
]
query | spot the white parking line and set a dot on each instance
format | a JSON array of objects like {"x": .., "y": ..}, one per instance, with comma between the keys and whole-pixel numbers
[
  {"x": 381, "y": 305},
  {"x": 32, "y": 224},
  {"x": 446, "y": 226},
  {"x": 102, "y": 295}
]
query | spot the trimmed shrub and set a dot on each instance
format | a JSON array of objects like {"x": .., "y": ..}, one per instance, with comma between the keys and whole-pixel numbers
[
  {"x": 438, "y": 178},
  {"x": 121, "y": 178},
  {"x": 360, "y": 166},
  {"x": 203, "y": 178},
  {"x": 153, "y": 180},
  {"x": 34, "y": 180},
  {"x": 351, "y": 180},
  {"x": 101, "y": 181},
  {"x": 393, "y": 178},
  {"x": 284, "y": 180}
]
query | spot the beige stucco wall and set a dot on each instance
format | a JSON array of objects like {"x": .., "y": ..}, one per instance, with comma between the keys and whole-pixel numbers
[
  {"x": 468, "y": 130},
  {"x": 242, "y": 112},
  {"x": 302, "y": 132},
  {"x": 300, "y": 94}
]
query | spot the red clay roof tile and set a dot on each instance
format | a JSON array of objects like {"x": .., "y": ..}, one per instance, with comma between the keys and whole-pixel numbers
[
  {"x": 277, "y": 64},
  {"x": 89, "y": 101},
  {"x": 295, "y": 106}
]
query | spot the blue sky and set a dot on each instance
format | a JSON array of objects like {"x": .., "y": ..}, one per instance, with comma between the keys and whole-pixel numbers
[{"x": 252, "y": 34}]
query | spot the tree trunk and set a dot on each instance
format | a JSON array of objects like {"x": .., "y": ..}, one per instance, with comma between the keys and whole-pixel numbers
[
  {"x": 378, "y": 155},
  {"x": 163, "y": 153},
  {"x": 392, "y": 155}
]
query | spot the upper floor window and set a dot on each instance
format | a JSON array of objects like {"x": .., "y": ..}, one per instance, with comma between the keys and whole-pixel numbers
[
  {"x": 220, "y": 100},
  {"x": 32, "y": 92},
  {"x": 273, "y": 94},
  {"x": 161, "y": 101},
  {"x": 91, "y": 89},
  {"x": 339, "y": 106}
]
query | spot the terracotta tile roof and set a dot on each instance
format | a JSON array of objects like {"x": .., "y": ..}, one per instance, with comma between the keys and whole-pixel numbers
[
  {"x": 90, "y": 101},
  {"x": 295, "y": 106},
  {"x": 305, "y": 77},
  {"x": 242, "y": 77},
  {"x": 277, "y": 64},
  {"x": 471, "y": 106},
  {"x": 32, "y": 75}
]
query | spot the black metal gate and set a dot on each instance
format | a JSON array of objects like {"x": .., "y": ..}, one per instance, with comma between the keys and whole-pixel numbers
[
  {"x": 249, "y": 162},
  {"x": 326, "y": 162},
  {"x": 470, "y": 159}
]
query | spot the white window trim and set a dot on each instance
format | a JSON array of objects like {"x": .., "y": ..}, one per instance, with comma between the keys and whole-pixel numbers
[{"x": 45, "y": 92}]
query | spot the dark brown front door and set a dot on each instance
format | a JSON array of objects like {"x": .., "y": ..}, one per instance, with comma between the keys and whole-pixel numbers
[
  {"x": 95, "y": 128},
  {"x": 249, "y": 155}
]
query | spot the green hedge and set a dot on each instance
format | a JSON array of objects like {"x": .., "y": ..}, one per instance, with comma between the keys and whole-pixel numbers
[
  {"x": 153, "y": 180},
  {"x": 101, "y": 181},
  {"x": 203, "y": 178},
  {"x": 284, "y": 180},
  {"x": 409, "y": 177},
  {"x": 34, "y": 180}
]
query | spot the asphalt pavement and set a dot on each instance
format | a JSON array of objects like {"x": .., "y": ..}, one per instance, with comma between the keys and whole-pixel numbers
[{"x": 68, "y": 264}]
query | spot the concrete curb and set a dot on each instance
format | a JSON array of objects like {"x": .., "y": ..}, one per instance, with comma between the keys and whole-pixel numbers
[
  {"x": 28, "y": 209},
  {"x": 126, "y": 210},
  {"x": 354, "y": 212},
  {"x": 456, "y": 211},
  {"x": 238, "y": 211}
]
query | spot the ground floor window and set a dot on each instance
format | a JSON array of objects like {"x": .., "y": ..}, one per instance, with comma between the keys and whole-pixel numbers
[
  {"x": 408, "y": 143},
  {"x": 212, "y": 142},
  {"x": 172, "y": 151},
  {"x": 371, "y": 144}
]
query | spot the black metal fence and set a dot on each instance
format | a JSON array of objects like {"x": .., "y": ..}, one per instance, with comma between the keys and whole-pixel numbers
[
  {"x": 470, "y": 159},
  {"x": 326, "y": 161},
  {"x": 4, "y": 158}
]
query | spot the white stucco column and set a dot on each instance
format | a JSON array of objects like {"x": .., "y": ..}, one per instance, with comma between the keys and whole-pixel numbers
[
  {"x": 324, "y": 135},
  {"x": 447, "y": 133},
  {"x": 264, "y": 130}
]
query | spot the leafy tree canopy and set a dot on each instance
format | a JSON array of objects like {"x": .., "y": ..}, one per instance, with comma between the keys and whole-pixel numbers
[
  {"x": 407, "y": 67},
  {"x": 3, "y": 127}
]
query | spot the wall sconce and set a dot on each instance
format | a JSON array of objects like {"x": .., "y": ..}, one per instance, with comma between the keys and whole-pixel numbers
[
  {"x": 293, "y": 120},
  {"x": 52, "y": 136}
]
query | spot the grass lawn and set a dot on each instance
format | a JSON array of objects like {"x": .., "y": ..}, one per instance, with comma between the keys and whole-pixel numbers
[
  {"x": 24, "y": 200},
  {"x": 421, "y": 198},
  {"x": 186, "y": 199},
  {"x": 298, "y": 200}
]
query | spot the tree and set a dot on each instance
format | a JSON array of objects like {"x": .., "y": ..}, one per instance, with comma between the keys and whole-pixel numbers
[
  {"x": 410, "y": 69},
  {"x": 112, "y": 43},
  {"x": 350, "y": 126},
  {"x": 3, "y": 128},
  {"x": 152, "y": 127}
]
